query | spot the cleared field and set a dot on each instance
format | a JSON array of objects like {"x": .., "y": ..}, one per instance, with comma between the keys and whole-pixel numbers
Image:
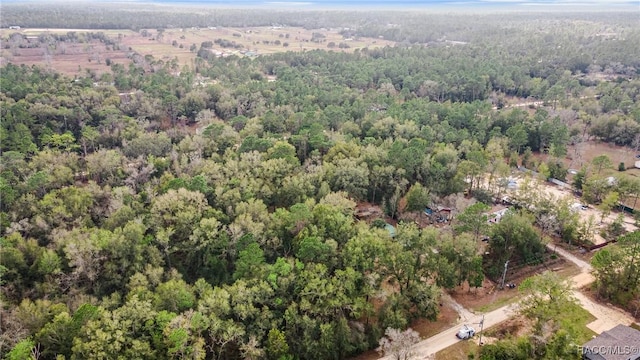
[
  {"x": 78, "y": 58},
  {"x": 582, "y": 153},
  {"x": 266, "y": 40}
]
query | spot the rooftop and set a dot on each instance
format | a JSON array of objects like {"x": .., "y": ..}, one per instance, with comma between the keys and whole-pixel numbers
[{"x": 620, "y": 343}]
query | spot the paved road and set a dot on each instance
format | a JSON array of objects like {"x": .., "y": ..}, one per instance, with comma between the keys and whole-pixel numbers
[{"x": 446, "y": 338}]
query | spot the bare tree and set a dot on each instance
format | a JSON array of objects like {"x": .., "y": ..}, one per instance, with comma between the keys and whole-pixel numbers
[{"x": 397, "y": 343}]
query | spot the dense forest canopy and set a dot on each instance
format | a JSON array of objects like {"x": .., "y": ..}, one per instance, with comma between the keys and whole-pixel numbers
[{"x": 148, "y": 214}]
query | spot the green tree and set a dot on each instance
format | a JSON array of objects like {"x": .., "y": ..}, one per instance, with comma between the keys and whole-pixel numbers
[
  {"x": 544, "y": 172},
  {"x": 417, "y": 198},
  {"x": 517, "y": 136},
  {"x": 595, "y": 189},
  {"x": 617, "y": 270},
  {"x": 601, "y": 162},
  {"x": 21, "y": 351},
  {"x": 283, "y": 150},
  {"x": 548, "y": 297},
  {"x": 513, "y": 236},
  {"x": 250, "y": 263},
  {"x": 117, "y": 333},
  {"x": 175, "y": 296},
  {"x": 277, "y": 347},
  {"x": 474, "y": 220},
  {"x": 65, "y": 142},
  {"x": 579, "y": 178},
  {"x": 510, "y": 349},
  {"x": 174, "y": 215},
  {"x": 608, "y": 203}
]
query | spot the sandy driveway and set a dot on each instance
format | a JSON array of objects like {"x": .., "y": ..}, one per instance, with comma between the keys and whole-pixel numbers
[
  {"x": 584, "y": 266},
  {"x": 607, "y": 316}
]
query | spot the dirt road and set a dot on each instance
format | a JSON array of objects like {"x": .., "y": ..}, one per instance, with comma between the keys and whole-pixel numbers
[
  {"x": 583, "y": 265},
  {"x": 608, "y": 316}
]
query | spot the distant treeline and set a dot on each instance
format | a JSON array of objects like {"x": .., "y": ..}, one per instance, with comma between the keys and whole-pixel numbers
[{"x": 412, "y": 27}]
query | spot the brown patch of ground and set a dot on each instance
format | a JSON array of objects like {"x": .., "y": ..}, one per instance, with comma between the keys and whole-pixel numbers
[
  {"x": 582, "y": 153},
  {"x": 490, "y": 297},
  {"x": 74, "y": 59},
  {"x": 485, "y": 298},
  {"x": 458, "y": 351},
  {"x": 427, "y": 328},
  {"x": 78, "y": 58},
  {"x": 514, "y": 327}
]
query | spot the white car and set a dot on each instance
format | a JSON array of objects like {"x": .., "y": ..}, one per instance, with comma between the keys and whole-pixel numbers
[{"x": 466, "y": 332}]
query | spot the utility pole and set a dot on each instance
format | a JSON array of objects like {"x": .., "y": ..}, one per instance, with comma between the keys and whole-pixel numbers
[
  {"x": 504, "y": 274},
  {"x": 481, "y": 327}
]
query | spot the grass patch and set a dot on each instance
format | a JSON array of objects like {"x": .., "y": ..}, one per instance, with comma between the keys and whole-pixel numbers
[
  {"x": 499, "y": 302},
  {"x": 459, "y": 350},
  {"x": 575, "y": 319},
  {"x": 569, "y": 271}
]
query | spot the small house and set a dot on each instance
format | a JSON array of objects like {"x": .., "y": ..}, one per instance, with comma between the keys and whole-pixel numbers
[
  {"x": 444, "y": 212},
  {"x": 439, "y": 214},
  {"x": 620, "y": 343}
]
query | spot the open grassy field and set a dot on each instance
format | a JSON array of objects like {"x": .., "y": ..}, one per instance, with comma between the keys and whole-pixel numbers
[{"x": 76, "y": 58}]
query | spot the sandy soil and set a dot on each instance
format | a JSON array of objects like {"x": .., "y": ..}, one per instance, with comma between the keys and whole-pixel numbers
[
  {"x": 461, "y": 311},
  {"x": 607, "y": 316}
]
